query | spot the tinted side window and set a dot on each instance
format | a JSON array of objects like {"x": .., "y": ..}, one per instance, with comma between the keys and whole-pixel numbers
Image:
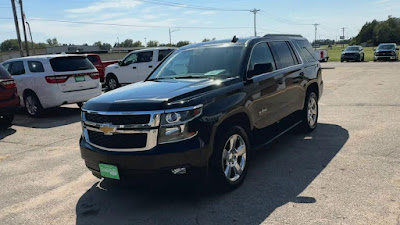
[
  {"x": 35, "y": 67},
  {"x": 163, "y": 53},
  {"x": 145, "y": 56},
  {"x": 4, "y": 73},
  {"x": 93, "y": 59},
  {"x": 283, "y": 54},
  {"x": 261, "y": 60},
  {"x": 306, "y": 51},
  {"x": 17, "y": 68}
]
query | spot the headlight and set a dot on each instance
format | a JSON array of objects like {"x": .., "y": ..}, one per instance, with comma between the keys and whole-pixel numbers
[
  {"x": 393, "y": 53},
  {"x": 174, "y": 124}
]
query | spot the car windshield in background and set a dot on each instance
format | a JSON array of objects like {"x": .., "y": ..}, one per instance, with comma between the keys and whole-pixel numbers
[
  {"x": 4, "y": 74},
  {"x": 386, "y": 47},
  {"x": 70, "y": 63},
  {"x": 352, "y": 49},
  {"x": 203, "y": 62}
]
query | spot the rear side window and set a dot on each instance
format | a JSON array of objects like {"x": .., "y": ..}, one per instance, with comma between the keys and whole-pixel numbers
[
  {"x": 144, "y": 56},
  {"x": 283, "y": 54},
  {"x": 70, "y": 63},
  {"x": 17, "y": 68},
  {"x": 4, "y": 73},
  {"x": 261, "y": 60},
  {"x": 93, "y": 59},
  {"x": 163, "y": 53},
  {"x": 306, "y": 51},
  {"x": 35, "y": 67}
]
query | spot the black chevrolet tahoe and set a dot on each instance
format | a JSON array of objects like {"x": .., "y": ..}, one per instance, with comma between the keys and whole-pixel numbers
[{"x": 205, "y": 108}]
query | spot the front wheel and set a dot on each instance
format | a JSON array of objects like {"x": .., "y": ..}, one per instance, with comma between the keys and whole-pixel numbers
[
  {"x": 112, "y": 83},
  {"x": 309, "y": 114},
  {"x": 6, "y": 121},
  {"x": 33, "y": 106},
  {"x": 230, "y": 160}
]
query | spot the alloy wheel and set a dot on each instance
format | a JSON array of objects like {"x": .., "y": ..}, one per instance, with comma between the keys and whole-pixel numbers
[
  {"x": 234, "y": 157},
  {"x": 312, "y": 112},
  {"x": 112, "y": 84},
  {"x": 31, "y": 105}
]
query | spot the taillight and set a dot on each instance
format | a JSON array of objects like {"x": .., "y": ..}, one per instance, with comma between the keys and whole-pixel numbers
[
  {"x": 95, "y": 76},
  {"x": 9, "y": 84},
  {"x": 56, "y": 79}
]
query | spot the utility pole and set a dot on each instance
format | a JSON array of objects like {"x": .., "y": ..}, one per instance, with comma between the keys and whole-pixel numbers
[
  {"x": 17, "y": 28},
  {"x": 343, "y": 28},
  {"x": 23, "y": 27},
  {"x": 315, "y": 39},
  {"x": 145, "y": 42},
  {"x": 170, "y": 32},
  {"x": 254, "y": 11},
  {"x": 30, "y": 34}
]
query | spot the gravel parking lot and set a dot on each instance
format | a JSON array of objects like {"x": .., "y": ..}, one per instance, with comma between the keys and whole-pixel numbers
[{"x": 346, "y": 172}]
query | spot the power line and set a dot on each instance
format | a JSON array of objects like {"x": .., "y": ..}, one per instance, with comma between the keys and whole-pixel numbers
[{"x": 129, "y": 25}]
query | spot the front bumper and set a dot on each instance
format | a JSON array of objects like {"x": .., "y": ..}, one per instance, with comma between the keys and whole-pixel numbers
[
  {"x": 384, "y": 57},
  {"x": 190, "y": 154},
  {"x": 9, "y": 107},
  {"x": 350, "y": 57}
]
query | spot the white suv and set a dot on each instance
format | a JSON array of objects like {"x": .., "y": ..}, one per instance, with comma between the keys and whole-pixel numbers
[
  {"x": 135, "y": 67},
  {"x": 52, "y": 80}
]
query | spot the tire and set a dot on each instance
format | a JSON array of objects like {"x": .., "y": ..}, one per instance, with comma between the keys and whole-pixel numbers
[
  {"x": 359, "y": 59},
  {"x": 228, "y": 167},
  {"x": 6, "y": 121},
  {"x": 33, "y": 105},
  {"x": 112, "y": 82},
  {"x": 309, "y": 114},
  {"x": 363, "y": 58},
  {"x": 341, "y": 60},
  {"x": 80, "y": 104}
]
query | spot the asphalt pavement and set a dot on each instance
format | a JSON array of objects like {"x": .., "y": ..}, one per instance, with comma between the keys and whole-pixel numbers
[{"x": 345, "y": 172}]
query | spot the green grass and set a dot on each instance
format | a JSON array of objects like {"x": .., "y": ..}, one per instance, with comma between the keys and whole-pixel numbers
[{"x": 336, "y": 51}]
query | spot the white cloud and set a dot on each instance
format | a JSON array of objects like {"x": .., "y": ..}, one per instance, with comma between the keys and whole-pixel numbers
[{"x": 103, "y": 5}]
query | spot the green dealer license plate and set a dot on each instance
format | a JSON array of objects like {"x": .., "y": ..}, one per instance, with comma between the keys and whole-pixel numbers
[
  {"x": 79, "y": 78},
  {"x": 109, "y": 171}
]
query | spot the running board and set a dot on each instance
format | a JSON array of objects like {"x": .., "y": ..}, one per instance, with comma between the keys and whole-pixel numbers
[{"x": 277, "y": 136}]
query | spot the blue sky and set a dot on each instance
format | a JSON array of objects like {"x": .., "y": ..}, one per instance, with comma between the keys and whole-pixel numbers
[{"x": 282, "y": 16}]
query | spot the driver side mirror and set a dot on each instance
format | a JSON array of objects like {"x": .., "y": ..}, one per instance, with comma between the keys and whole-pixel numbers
[
  {"x": 397, "y": 49},
  {"x": 260, "y": 69},
  {"x": 120, "y": 63}
]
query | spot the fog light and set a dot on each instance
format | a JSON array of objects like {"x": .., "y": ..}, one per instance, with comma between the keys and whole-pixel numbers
[{"x": 177, "y": 171}]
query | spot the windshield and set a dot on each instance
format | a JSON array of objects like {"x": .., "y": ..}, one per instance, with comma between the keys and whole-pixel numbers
[
  {"x": 202, "y": 62},
  {"x": 70, "y": 63},
  {"x": 352, "y": 49},
  {"x": 386, "y": 47}
]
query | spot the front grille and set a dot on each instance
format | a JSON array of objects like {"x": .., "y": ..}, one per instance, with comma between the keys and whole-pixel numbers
[
  {"x": 118, "y": 119},
  {"x": 350, "y": 54},
  {"x": 383, "y": 54},
  {"x": 115, "y": 141}
]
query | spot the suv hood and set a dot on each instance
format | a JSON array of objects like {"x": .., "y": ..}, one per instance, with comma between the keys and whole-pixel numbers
[{"x": 153, "y": 95}]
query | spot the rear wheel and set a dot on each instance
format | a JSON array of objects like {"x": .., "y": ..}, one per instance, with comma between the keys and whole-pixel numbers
[
  {"x": 33, "y": 106},
  {"x": 309, "y": 114},
  {"x": 6, "y": 121},
  {"x": 112, "y": 82},
  {"x": 230, "y": 160}
]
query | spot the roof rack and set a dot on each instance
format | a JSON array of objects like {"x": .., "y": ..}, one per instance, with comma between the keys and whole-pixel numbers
[{"x": 285, "y": 35}]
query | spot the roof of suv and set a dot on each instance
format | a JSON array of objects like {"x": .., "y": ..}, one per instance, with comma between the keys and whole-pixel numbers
[
  {"x": 243, "y": 41},
  {"x": 45, "y": 56}
]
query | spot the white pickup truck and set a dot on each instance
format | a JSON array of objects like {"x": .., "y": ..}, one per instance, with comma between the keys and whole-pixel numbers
[
  {"x": 134, "y": 67},
  {"x": 322, "y": 55}
]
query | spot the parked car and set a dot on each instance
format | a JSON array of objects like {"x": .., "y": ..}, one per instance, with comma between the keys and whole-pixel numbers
[
  {"x": 353, "y": 53},
  {"x": 386, "y": 51},
  {"x": 53, "y": 80},
  {"x": 9, "y": 99},
  {"x": 201, "y": 109},
  {"x": 135, "y": 66},
  {"x": 100, "y": 65},
  {"x": 322, "y": 55}
]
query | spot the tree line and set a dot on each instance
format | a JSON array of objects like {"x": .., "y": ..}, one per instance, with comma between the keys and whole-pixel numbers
[
  {"x": 12, "y": 44},
  {"x": 376, "y": 32}
]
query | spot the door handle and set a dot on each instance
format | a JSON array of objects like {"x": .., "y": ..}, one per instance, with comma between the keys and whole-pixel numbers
[
  {"x": 302, "y": 74},
  {"x": 150, "y": 66},
  {"x": 134, "y": 67},
  {"x": 280, "y": 81}
]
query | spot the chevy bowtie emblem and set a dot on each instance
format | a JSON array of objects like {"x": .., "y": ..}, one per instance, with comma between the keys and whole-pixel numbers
[{"x": 107, "y": 130}]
